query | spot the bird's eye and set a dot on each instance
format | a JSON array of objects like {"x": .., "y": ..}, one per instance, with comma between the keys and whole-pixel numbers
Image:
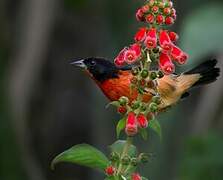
[{"x": 92, "y": 63}]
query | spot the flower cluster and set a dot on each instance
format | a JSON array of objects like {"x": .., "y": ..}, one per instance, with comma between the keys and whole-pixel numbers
[
  {"x": 158, "y": 43},
  {"x": 129, "y": 163},
  {"x": 157, "y": 12}
]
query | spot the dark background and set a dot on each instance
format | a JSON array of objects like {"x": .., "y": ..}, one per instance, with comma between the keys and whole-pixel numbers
[{"x": 46, "y": 106}]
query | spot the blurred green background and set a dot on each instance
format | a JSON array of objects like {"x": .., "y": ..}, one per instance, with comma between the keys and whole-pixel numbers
[{"x": 47, "y": 105}]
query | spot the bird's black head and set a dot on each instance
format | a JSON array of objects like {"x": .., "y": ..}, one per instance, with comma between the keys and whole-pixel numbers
[{"x": 101, "y": 69}]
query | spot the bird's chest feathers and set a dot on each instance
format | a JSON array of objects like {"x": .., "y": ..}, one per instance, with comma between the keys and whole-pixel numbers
[{"x": 116, "y": 87}]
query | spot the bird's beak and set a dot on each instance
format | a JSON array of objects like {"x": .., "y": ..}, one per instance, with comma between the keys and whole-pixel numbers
[{"x": 79, "y": 63}]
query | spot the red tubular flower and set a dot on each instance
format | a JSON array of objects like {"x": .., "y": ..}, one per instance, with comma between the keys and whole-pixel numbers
[
  {"x": 141, "y": 35},
  {"x": 132, "y": 54},
  {"x": 145, "y": 8},
  {"x": 173, "y": 36},
  {"x": 167, "y": 11},
  {"x": 159, "y": 19},
  {"x": 151, "y": 39},
  {"x": 110, "y": 170},
  {"x": 165, "y": 41},
  {"x": 119, "y": 60},
  {"x": 131, "y": 124},
  {"x": 136, "y": 176},
  {"x": 166, "y": 64},
  {"x": 142, "y": 121},
  {"x": 174, "y": 14},
  {"x": 140, "y": 15},
  {"x": 155, "y": 9},
  {"x": 178, "y": 55},
  {"x": 169, "y": 20},
  {"x": 150, "y": 18}
]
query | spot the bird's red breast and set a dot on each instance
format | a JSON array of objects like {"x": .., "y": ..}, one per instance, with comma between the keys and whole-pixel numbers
[{"x": 117, "y": 87}]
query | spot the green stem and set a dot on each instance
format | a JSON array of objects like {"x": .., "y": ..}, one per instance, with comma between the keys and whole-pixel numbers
[{"x": 124, "y": 153}]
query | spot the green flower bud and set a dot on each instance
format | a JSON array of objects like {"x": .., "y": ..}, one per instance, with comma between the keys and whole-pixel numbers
[
  {"x": 156, "y": 99},
  {"x": 153, "y": 75},
  {"x": 135, "y": 71},
  {"x": 160, "y": 74},
  {"x": 143, "y": 158},
  {"x": 144, "y": 73},
  {"x": 123, "y": 100},
  {"x": 126, "y": 160},
  {"x": 134, "y": 161},
  {"x": 143, "y": 107},
  {"x": 153, "y": 107},
  {"x": 114, "y": 157},
  {"x": 135, "y": 105}
]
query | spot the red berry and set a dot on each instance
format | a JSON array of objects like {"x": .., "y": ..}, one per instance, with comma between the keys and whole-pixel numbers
[
  {"x": 140, "y": 35},
  {"x": 159, "y": 19},
  {"x": 122, "y": 110},
  {"x": 145, "y": 8},
  {"x": 110, "y": 170},
  {"x": 166, "y": 11},
  {"x": 119, "y": 60},
  {"x": 169, "y": 20},
  {"x": 166, "y": 64},
  {"x": 151, "y": 39},
  {"x": 150, "y": 18},
  {"x": 140, "y": 15},
  {"x": 131, "y": 124},
  {"x": 142, "y": 121},
  {"x": 136, "y": 176},
  {"x": 155, "y": 9},
  {"x": 173, "y": 36},
  {"x": 165, "y": 41}
]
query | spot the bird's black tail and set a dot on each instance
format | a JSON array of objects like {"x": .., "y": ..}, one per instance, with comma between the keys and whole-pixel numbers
[{"x": 208, "y": 71}]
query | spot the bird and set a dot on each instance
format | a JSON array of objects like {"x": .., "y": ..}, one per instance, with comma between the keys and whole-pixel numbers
[{"x": 115, "y": 82}]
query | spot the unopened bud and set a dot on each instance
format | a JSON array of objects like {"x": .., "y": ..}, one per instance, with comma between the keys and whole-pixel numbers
[
  {"x": 114, "y": 157},
  {"x": 110, "y": 170},
  {"x": 134, "y": 161},
  {"x": 153, "y": 107},
  {"x": 143, "y": 158},
  {"x": 123, "y": 100},
  {"x": 126, "y": 160}
]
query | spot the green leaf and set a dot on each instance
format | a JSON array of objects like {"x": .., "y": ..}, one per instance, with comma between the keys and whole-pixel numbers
[
  {"x": 144, "y": 133},
  {"x": 83, "y": 154},
  {"x": 120, "y": 126},
  {"x": 119, "y": 145},
  {"x": 155, "y": 125}
]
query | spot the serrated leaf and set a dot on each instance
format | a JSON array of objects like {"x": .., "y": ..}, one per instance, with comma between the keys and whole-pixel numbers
[
  {"x": 144, "y": 134},
  {"x": 119, "y": 145},
  {"x": 120, "y": 126},
  {"x": 113, "y": 103},
  {"x": 155, "y": 125},
  {"x": 83, "y": 154}
]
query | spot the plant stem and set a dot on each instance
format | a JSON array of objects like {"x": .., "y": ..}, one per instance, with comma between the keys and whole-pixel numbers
[{"x": 124, "y": 152}]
